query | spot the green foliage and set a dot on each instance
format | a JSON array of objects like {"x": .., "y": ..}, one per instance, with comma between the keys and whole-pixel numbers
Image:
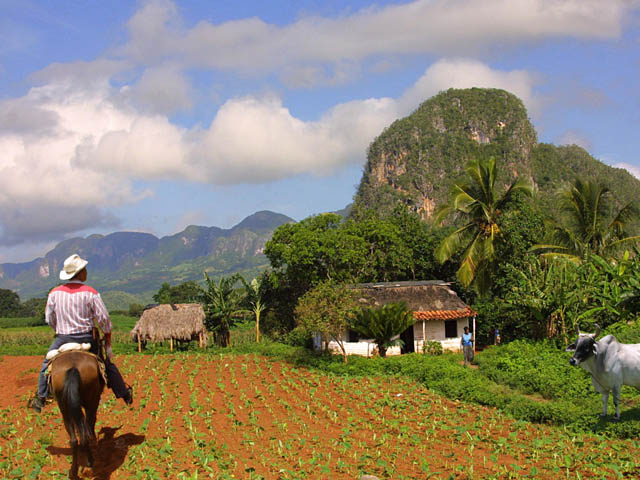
[
  {"x": 479, "y": 205},
  {"x": 589, "y": 223},
  {"x": 30, "y": 336},
  {"x": 136, "y": 309},
  {"x": 557, "y": 296},
  {"x": 222, "y": 303},
  {"x": 383, "y": 324},
  {"x": 254, "y": 300},
  {"x": 368, "y": 248},
  {"x": 326, "y": 310},
  {"x": 432, "y": 347},
  {"x": 187, "y": 292},
  {"x": 421, "y": 156},
  {"x": 21, "y": 322},
  {"x": 9, "y": 303}
]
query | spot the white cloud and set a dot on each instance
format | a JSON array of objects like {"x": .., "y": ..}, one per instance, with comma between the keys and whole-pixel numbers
[
  {"x": 433, "y": 27},
  {"x": 93, "y": 142},
  {"x": 42, "y": 193},
  {"x": 465, "y": 73},
  {"x": 161, "y": 90},
  {"x": 257, "y": 139}
]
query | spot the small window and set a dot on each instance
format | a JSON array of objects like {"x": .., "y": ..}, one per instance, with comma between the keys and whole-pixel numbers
[
  {"x": 450, "y": 328},
  {"x": 353, "y": 336}
]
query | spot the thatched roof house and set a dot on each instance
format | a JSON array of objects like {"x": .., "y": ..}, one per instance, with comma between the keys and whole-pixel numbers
[
  {"x": 182, "y": 321},
  {"x": 429, "y": 300},
  {"x": 440, "y": 315}
]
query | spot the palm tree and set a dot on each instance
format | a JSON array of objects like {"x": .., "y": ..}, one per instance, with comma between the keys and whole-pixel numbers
[
  {"x": 383, "y": 324},
  {"x": 478, "y": 204},
  {"x": 587, "y": 226}
]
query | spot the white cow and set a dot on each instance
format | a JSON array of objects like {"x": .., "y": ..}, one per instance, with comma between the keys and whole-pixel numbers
[{"x": 611, "y": 365}]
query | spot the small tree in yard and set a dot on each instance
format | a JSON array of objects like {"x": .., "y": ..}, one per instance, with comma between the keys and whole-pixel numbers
[
  {"x": 383, "y": 324},
  {"x": 254, "y": 301},
  {"x": 326, "y": 310},
  {"x": 221, "y": 302}
]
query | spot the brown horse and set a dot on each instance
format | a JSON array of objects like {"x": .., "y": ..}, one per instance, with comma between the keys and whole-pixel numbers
[{"x": 77, "y": 384}]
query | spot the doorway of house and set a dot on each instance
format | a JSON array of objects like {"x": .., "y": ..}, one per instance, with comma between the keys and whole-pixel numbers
[{"x": 408, "y": 341}]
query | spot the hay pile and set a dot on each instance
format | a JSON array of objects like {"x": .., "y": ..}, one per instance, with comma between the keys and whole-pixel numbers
[{"x": 182, "y": 321}]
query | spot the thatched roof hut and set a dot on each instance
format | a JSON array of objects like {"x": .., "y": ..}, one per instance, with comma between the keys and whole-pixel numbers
[
  {"x": 428, "y": 300},
  {"x": 181, "y": 321}
]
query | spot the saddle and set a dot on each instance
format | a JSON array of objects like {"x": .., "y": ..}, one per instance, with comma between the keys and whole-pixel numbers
[
  {"x": 51, "y": 354},
  {"x": 74, "y": 347}
]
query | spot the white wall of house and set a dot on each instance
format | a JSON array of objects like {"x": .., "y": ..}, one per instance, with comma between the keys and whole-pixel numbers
[{"x": 432, "y": 330}]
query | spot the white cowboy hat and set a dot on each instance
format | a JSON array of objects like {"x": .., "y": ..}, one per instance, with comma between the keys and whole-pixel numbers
[{"x": 72, "y": 265}]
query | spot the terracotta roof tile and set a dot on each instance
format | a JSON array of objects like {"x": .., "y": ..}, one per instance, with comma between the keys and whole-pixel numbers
[{"x": 443, "y": 314}]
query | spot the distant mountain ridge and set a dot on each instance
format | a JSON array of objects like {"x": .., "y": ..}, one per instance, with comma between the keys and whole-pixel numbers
[{"x": 138, "y": 263}]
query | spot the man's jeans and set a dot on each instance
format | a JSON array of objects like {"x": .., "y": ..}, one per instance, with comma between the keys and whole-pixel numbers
[{"x": 114, "y": 379}]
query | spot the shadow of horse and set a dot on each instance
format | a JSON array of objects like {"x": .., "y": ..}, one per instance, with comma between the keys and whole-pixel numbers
[{"x": 110, "y": 452}]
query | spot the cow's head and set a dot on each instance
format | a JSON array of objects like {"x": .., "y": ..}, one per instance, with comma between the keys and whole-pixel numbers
[{"x": 584, "y": 346}]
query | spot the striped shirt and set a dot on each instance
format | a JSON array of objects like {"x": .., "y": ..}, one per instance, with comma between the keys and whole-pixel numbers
[{"x": 72, "y": 308}]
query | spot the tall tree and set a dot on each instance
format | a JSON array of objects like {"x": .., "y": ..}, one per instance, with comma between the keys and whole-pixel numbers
[
  {"x": 478, "y": 204},
  {"x": 589, "y": 223}
]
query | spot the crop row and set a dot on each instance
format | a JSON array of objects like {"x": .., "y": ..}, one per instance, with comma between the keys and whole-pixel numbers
[{"x": 245, "y": 416}]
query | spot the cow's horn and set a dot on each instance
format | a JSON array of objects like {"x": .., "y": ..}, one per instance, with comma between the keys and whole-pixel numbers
[
  {"x": 597, "y": 330},
  {"x": 577, "y": 329}
]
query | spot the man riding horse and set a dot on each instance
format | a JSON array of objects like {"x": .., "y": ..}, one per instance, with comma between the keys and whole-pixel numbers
[{"x": 71, "y": 311}]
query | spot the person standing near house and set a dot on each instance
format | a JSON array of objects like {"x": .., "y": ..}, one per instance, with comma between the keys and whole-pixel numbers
[
  {"x": 71, "y": 310},
  {"x": 466, "y": 342}
]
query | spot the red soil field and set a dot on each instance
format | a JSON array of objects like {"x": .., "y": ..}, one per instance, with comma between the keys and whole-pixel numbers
[{"x": 246, "y": 416}]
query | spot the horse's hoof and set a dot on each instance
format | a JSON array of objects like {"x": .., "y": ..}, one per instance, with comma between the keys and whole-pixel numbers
[{"x": 615, "y": 419}]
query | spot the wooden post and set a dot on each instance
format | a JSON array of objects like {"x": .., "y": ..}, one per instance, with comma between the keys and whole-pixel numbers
[
  {"x": 139, "y": 344},
  {"x": 474, "y": 334},
  {"x": 424, "y": 333},
  {"x": 171, "y": 343}
]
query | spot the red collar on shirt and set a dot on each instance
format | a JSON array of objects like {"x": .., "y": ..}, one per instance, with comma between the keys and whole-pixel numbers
[{"x": 74, "y": 287}]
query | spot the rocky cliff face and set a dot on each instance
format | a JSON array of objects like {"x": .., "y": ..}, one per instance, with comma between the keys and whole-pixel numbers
[{"x": 416, "y": 160}]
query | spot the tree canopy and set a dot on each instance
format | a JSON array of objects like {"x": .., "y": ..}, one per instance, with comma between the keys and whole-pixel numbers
[{"x": 479, "y": 205}]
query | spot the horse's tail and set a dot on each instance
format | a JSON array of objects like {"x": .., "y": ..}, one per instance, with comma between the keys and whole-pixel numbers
[{"x": 73, "y": 401}]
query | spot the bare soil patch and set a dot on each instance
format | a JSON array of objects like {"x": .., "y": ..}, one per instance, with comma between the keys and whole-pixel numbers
[{"x": 245, "y": 416}]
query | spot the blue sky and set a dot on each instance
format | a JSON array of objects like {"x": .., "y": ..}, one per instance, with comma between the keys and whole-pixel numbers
[{"x": 150, "y": 116}]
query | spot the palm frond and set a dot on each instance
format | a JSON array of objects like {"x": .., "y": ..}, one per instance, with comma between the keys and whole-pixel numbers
[
  {"x": 470, "y": 261},
  {"x": 451, "y": 244}
]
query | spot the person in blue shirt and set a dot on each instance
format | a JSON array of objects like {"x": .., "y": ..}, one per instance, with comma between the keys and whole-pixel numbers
[{"x": 466, "y": 342}]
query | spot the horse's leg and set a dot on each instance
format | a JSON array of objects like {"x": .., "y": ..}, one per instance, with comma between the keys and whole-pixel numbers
[
  {"x": 91, "y": 409},
  {"x": 91, "y": 399}
]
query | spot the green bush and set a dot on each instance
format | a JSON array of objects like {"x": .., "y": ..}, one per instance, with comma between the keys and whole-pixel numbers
[
  {"x": 431, "y": 347},
  {"x": 21, "y": 322}
]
